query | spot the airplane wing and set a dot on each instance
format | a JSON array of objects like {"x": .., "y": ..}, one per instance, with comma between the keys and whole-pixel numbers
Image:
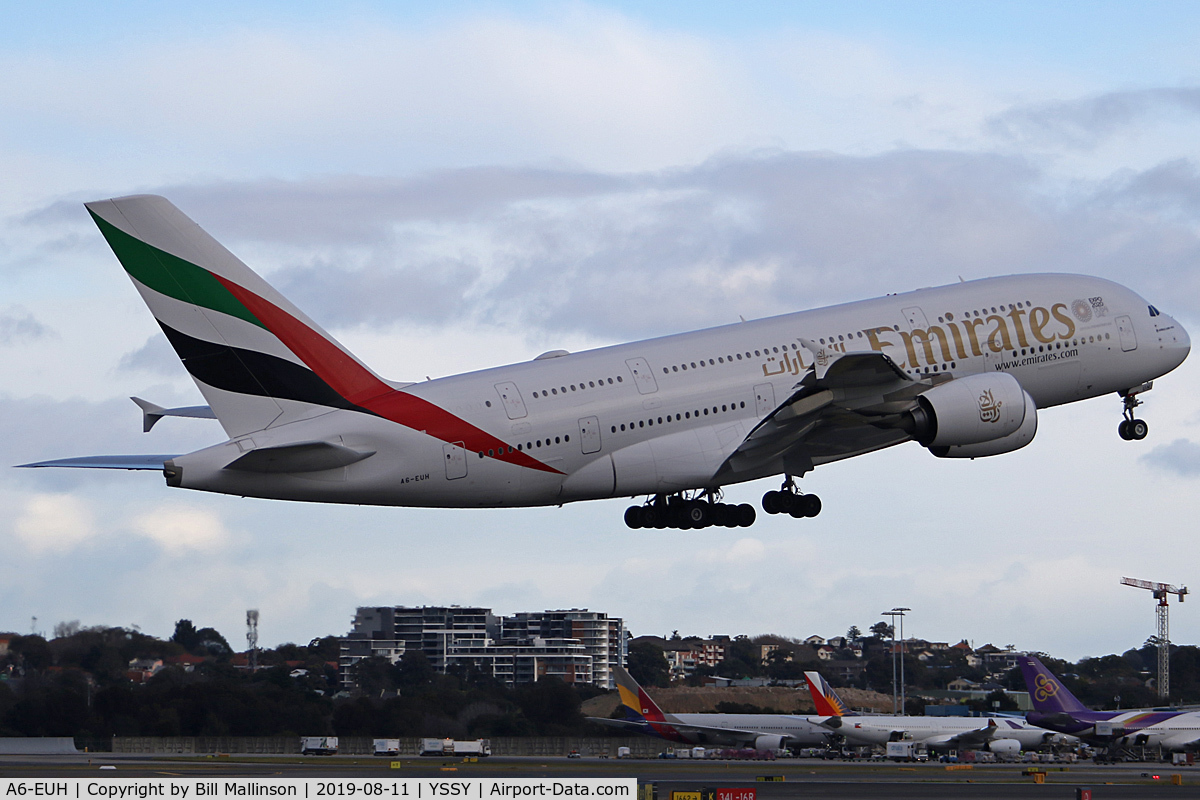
[
  {"x": 730, "y": 735},
  {"x": 976, "y": 737},
  {"x": 844, "y": 405},
  {"x": 1181, "y": 742},
  {"x": 155, "y": 462}
]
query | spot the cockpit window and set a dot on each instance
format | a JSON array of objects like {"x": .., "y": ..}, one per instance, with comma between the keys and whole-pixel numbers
[{"x": 1154, "y": 312}]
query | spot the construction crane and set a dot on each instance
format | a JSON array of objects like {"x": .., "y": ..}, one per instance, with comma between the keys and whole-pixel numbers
[{"x": 1161, "y": 591}]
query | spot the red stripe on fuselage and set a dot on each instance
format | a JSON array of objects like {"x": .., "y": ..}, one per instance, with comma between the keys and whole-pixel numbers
[{"x": 355, "y": 383}]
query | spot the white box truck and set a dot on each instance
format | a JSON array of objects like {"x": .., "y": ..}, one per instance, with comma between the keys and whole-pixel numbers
[
  {"x": 480, "y": 748},
  {"x": 318, "y": 745},
  {"x": 387, "y": 747},
  {"x": 436, "y": 747}
]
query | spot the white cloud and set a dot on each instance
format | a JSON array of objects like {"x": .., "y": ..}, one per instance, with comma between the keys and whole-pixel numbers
[
  {"x": 54, "y": 522},
  {"x": 746, "y": 551},
  {"x": 179, "y": 528}
]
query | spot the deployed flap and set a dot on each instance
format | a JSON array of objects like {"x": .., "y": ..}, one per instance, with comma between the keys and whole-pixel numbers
[
  {"x": 107, "y": 462},
  {"x": 831, "y": 414},
  {"x": 152, "y": 413},
  {"x": 302, "y": 457}
]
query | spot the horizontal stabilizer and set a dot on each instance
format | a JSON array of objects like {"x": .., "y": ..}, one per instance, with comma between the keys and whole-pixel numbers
[
  {"x": 107, "y": 462},
  {"x": 152, "y": 413},
  {"x": 302, "y": 457}
]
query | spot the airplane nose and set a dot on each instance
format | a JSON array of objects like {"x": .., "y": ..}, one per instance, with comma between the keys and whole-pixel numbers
[{"x": 1182, "y": 345}]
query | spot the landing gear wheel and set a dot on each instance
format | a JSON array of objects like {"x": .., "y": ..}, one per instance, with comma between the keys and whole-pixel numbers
[
  {"x": 768, "y": 503},
  {"x": 745, "y": 515},
  {"x": 812, "y": 505},
  {"x": 633, "y": 516},
  {"x": 1137, "y": 429},
  {"x": 1123, "y": 430},
  {"x": 698, "y": 513}
]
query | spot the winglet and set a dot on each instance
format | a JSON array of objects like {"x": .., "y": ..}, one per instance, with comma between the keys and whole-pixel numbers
[
  {"x": 825, "y": 699},
  {"x": 151, "y": 413}
]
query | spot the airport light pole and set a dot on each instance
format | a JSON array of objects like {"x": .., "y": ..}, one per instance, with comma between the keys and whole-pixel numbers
[
  {"x": 903, "y": 694},
  {"x": 893, "y": 614}
]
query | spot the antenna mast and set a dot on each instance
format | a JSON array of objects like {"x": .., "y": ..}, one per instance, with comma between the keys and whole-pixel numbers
[
  {"x": 252, "y": 637},
  {"x": 1161, "y": 592}
]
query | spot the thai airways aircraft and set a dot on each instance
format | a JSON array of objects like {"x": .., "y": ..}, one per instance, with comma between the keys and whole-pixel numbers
[
  {"x": 1056, "y": 708},
  {"x": 962, "y": 370},
  {"x": 996, "y": 734},
  {"x": 760, "y": 731}
]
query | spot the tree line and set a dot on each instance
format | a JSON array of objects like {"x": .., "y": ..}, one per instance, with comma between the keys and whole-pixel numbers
[{"x": 78, "y": 684}]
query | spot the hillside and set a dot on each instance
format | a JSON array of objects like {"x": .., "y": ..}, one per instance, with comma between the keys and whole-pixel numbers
[{"x": 696, "y": 699}]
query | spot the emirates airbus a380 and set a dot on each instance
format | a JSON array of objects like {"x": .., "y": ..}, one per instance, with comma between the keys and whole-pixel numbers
[{"x": 961, "y": 369}]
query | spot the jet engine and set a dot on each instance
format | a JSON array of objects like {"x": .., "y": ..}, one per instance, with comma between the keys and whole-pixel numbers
[
  {"x": 1005, "y": 746},
  {"x": 766, "y": 742},
  {"x": 971, "y": 410},
  {"x": 1005, "y": 444}
]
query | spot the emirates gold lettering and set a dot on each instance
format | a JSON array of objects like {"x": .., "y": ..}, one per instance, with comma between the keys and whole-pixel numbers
[
  {"x": 957, "y": 336},
  {"x": 1059, "y": 310},
  {"x": 1038, "y": 319},
  {"x": 950, "y": 341},
  {"x": 1016, "y": 313},
  {"x": 998, "y": 340},
  {"x": 970, "y": 325},
  {"x": 925, "y": 338}
]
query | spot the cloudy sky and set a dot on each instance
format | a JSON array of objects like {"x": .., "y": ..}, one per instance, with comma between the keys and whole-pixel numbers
[{"x": 459, "y": 185}]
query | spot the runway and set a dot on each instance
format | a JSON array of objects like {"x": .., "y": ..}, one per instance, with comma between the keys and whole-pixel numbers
[{"x": 801, "y": 778}]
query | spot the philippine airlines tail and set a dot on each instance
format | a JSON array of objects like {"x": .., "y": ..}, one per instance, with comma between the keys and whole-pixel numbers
[
  {"x": 257, "y": 359},
  {"x": 826, "y": 700},
  {"x": 1047, "y": 692}
]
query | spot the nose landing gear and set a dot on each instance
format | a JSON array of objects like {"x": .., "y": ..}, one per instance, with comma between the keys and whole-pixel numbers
[
  {"x": 789, "y": 500},
  {"x": 1131, "y": 428}
]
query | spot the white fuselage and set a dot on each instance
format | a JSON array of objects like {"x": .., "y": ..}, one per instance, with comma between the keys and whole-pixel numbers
[
  {"x": 663, "y": 415},
  {"x": 794, "y": 729},
  {"x": 938, "y": 732}
]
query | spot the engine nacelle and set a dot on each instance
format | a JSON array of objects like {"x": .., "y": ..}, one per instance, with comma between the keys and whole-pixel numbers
[
  {"x": 970, "y": 410},
  {"x": 766, "y": 742},
  {"x": 1004, "y": 746},
  {"x": 1005, "y": 444}
]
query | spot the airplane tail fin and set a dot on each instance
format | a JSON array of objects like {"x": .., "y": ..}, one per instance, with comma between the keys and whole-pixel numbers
[
  {"x": 257, "y": 359},
  {"x": 1047, "y": 692},
  {"x": 825, "y": 699},
  {"x": 637, "y": 704}
]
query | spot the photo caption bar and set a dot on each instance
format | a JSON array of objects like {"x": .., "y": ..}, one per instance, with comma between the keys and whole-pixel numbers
[{"x": 315, "y": 788}]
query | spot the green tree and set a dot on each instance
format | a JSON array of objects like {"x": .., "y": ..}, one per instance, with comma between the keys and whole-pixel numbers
[
  {"x": 648, "y": 665},
  {"x": 185, "y": 635}
]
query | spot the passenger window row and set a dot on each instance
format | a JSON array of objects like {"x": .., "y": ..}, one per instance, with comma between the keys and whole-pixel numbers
[
  {"x": 649, "y": 423},
  {"x": 766, "y": 351},
  {"x": 535, "y": 444},
  {"x": 581, "y": 386},
  {"x": 1059, "y": 345}
]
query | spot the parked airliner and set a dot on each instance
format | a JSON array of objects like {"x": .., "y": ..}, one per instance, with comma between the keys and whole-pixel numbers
[
  {"x": 760, "y": 731},
  {"x": 960, "y": 369},
  {"x": 1056, "y": 708},
  {"x": 997, "y": 734}
]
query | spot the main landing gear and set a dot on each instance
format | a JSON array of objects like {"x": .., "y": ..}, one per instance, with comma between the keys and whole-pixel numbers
[
  {"x": 701, "y": 511},
  {"x": 789, "y": 500},
  {"x": 1132, "y": 429}
]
